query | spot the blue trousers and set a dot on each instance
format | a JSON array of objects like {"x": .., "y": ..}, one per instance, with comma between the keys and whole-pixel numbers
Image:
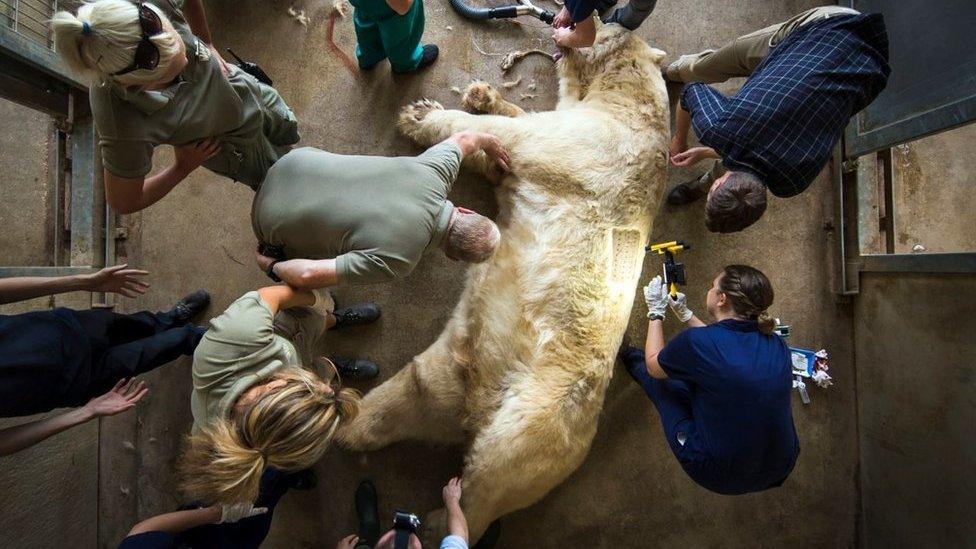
[{"x": 671, "y": 397}]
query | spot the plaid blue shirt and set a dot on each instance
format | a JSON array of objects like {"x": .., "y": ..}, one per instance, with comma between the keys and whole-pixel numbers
[{"x": 784, "y": 122}]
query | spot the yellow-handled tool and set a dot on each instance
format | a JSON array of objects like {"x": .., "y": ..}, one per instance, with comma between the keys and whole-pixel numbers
[{"x": 674, "y": 272}]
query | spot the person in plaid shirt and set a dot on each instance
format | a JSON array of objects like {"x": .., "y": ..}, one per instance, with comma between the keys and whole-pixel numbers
[{"x": 806, "y": 78}]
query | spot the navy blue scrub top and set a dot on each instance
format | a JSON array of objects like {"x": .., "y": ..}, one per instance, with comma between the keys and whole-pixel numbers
[{"x": 741, "y": 385}]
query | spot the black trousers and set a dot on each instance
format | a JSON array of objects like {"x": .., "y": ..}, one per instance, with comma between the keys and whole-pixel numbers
[{"x": 126, "y": 345}]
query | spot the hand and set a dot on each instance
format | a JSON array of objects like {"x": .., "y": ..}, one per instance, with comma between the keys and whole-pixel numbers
[
  {"x": 239, "y": 511},
  {"x": 495, "y": 151},
  {"x": 562, "y": 19},
  {"x": 656, "y": 297},
  {"x": 677, "y": 146},
  {"x": 561, "y": 36},
  {"x": 224, "y": 67},
  {"x": 692, "y": 156},
  {"x": 118, "y": 280},
  {"x": 264, "y": 262},
  {"x": 452, "y": 491},
  {"x": 190, "y": 156},
  {"x": 679, "y": 305},
  {"x": 125, "y": 395},
  {"x": 386, "y": 542},
  {"x": 348, "y": 542}
]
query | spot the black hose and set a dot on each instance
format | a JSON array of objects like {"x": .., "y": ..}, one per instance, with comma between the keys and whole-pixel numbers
[{"x": 504, "y": 12}]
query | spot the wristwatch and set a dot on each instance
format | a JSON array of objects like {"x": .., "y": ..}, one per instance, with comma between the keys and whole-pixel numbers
[
  {"x": 270, "y": 272},
  {"x": 655, "y": 316}
]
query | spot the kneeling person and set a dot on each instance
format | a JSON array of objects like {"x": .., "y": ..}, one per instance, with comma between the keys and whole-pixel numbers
[{"x": 326, "y": 219}]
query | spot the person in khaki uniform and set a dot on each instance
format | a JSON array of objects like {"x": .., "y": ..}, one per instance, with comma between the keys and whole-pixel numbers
[
  {"x": 264, "y": 406},
  {"x": 806, "y": 77},
  {"x": 157, "y": 78},
  {"x": 324, "y": 219}
]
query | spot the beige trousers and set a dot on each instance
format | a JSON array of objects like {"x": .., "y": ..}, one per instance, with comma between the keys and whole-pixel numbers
[
  {"x": 741, "y": 56},
  {"x": 305, "y": 328}
]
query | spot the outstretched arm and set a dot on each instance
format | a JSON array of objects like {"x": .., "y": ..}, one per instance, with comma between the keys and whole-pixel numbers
[
  {"x": 582, "y": 36},
  {"x": 119, "y": 279},
  {"x": 301, "y": 273},
  {"x": 457, "y": 525},
  {"x": 130, "y": 195},
  {"x": 179, "y": 521},
  {"x": 123, "y": 396}
]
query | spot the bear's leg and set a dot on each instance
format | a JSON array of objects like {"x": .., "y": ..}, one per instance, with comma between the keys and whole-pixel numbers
[
  {"x": 426, "y": 123},
  {"x": 529, "y": 447},
  {"x": 481, "y": 98},
  {"x": 421, "y": 402}
]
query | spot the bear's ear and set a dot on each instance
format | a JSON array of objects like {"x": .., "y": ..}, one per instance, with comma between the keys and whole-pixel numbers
[{"x": 657, "y": 56}]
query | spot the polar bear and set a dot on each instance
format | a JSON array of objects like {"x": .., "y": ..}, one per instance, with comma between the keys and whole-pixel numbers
[{"x": 520, "y": 371}]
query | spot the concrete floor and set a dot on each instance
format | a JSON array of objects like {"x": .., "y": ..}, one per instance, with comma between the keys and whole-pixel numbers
[{"x": 630, "y": 492}]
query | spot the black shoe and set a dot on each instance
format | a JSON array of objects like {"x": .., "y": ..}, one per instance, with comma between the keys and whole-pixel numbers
[
  {"x": 490, "y": 537},
  {"x": 190, "y": 306},
  {"x": 355, "y": 368},
  {"x": 305, "y": 479},
  {"x": 687, "y": 192},
  {"x": 426, "y": 60},
  {"x": 632, "y": 359},
  {"x": 369, "y": 516},
  {"x": 604, "y": 6},
  {"x": 356, "y": 314}
]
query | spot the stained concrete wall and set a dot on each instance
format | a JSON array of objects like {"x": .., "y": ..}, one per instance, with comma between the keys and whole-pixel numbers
[{"x": 916, "y": 368}]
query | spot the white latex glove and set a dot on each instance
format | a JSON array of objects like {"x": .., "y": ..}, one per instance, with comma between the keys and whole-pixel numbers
[
  {"x": 656, "y": 297},
  {"x": 239, "y": 511},
  {"x": 323, "y": 301},
  {"x": 680, "y": 307}
]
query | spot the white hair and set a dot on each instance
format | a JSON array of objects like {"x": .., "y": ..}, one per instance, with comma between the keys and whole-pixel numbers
[{"x": 101, "y": 39}]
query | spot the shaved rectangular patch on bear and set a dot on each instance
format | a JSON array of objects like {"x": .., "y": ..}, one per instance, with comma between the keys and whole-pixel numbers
[{"x": 625, "y": 250}]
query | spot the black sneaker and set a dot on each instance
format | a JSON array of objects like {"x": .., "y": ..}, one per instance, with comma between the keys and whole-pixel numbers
[
  {"x": 633, "y": 360},
  {"x": 356, "y": 314},
  {"x": 490, "y": 537},
  {"x": 190, "y": 306},
  {"x": 369, "y": 516},
  {"x": 306, "y": 479},
  {"x": 355, "y": 368},
  {"x": 688, "y": 192},
  {"x": 427, "y": 59}
]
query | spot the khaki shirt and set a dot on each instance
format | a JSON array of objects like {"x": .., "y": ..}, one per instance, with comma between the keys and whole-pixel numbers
[
  {"x": 375, "y": 215},
  {"x": 240, "y": 349},
  {"x": 254, "y": 125}
]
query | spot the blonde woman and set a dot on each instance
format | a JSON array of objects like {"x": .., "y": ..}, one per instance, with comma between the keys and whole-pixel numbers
[
  {"x": 157, "y": 78},
  {"x": 261, "y": 413}
]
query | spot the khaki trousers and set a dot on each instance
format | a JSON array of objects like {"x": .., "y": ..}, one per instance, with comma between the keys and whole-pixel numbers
[
  {"x": 305, "y": 328},
  {"x": 741, "y": 56}
]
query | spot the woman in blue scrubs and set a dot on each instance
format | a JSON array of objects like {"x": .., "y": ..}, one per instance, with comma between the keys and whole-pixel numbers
[{"x": 723, "y": 389}]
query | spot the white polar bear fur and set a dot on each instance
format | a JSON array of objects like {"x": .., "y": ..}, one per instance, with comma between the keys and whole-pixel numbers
[{"x": 520, "y": 371}]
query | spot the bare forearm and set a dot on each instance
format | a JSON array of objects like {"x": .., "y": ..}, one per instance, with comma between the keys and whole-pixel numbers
[
  {"x": 179, "y": 521},
  {"x": 652, "y": 346},
  {"x": 132, "y": 195},
  {"x": 308, "y": 273},
  {"x": 283, "y": 297},
  {"x": 17, "y": 438},
  {"x": 196, "y": 17},
  {"x": 29, "y": 287},
  {"x": 456, "y": 523},
  {"x": 583, "y": 35},
  {"x": 695, "y": 322}
]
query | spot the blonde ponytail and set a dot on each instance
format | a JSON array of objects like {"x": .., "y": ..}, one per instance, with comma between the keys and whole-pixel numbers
[
  {"x": 101, "y": 39},
  {"x": 288, "y": 428}
]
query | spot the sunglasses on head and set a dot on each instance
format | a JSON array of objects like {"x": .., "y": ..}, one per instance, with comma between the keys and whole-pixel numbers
[{"x": 147, "y": 54}]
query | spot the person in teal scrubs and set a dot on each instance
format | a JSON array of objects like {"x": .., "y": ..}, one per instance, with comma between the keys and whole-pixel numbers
[{"x": 391, "y": 29}]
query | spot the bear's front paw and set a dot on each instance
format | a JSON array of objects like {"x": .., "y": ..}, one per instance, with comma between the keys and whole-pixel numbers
[
  {"x": 412, "y": 116},
  {"x": 479, "y": 97}
]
